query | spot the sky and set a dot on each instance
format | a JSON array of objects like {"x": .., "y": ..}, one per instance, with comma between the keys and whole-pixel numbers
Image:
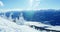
[{"x": 25, "y": 4}]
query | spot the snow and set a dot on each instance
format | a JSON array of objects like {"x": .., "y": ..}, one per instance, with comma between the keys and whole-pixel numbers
[
  {"x": 36, "y": 24},
  {"x": 49, "y": 27},
  {"x": 8, "y": 26},
  {"x": 57, "y": 28}
]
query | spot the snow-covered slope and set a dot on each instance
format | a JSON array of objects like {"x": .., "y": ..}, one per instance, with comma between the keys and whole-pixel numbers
[
  {"x": 36, "y": 24},
  {"x": 49, "y": 27},
  {"x": 57, "y": 28},
  {"x": 8, "y": 26}
]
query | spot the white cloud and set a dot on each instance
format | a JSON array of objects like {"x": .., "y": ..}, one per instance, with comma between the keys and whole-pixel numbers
[
  {"x": 1, "y": 3},
  {"x": 34, "y": 4}
]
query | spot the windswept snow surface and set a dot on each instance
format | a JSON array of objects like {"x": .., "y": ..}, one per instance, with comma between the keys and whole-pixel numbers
[
  {"x": 49, "y": 27},
  {"x": 8, "y": 26},
  {"x": 36, "y": 24},
  {"x": 57, "y": 28}
]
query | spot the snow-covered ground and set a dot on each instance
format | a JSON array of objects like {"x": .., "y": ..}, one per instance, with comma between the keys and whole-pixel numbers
[
  {"x": 57, "y": 28},
  {"x": 8, "y": 26},
  {"x": 36, "y": 24},
  {"x": 49, "y": 27}
]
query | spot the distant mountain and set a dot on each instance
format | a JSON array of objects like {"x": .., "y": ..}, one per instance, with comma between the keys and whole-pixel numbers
[{"x": 50, "y": 16}]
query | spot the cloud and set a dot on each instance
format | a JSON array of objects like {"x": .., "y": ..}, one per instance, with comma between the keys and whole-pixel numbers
[
  {"x": 1, "y": 3},
  {"x": 34, "y": 4}
]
